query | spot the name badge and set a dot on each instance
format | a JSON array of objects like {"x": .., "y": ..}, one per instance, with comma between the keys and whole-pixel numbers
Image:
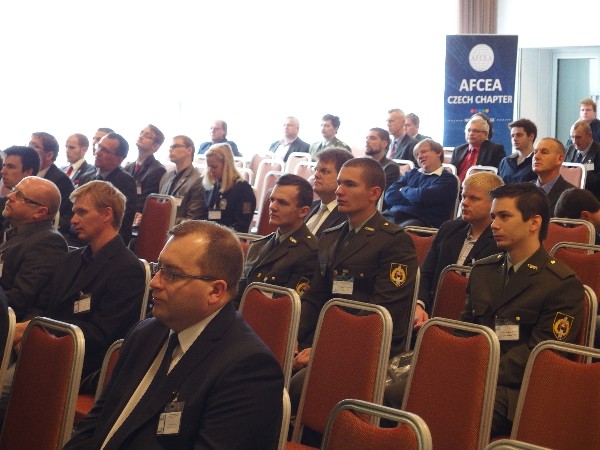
[
  {"x": 343, "y": 285},
  {"x": 178, "y": 201},
  {"x": 506, "y": 330},
  {"x": 169, "y": 422},
  {"x": 138, "y": 190},
  {"x": 589, "y": 167},
  {"x": 83, "y": 304},
  {"x": 214, "y": 214}
]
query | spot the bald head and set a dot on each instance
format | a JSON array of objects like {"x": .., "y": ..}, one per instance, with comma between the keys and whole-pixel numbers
[{"x": 42, "y": 191}]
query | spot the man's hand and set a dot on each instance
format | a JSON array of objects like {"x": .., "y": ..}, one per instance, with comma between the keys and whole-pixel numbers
[
  {"x": 137, "y": 219},
  {"x": 302, "y": 358},
  {"x": 19, "y": 330},
  {"x": 421, "y": 317}
]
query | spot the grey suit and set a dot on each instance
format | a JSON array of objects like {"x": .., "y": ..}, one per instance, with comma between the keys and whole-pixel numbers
[
  {"x": 297, "y": 146},
  {"x": 188, "y": 188}
]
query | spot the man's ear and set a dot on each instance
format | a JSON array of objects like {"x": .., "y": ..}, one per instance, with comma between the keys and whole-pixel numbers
[{"x": 217, "y": 292}]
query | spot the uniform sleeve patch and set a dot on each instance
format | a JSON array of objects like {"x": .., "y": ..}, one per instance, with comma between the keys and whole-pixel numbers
[
  {"x": 398, "y": 274},
  {"x": 247, "y": 208},
  {"x": 562, "y": 325},
  {"x": 302, "y": 286}
]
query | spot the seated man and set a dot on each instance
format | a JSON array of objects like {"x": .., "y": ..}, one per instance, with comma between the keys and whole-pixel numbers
[
  {"x": 218, "y": 135},
  {"x": 29, "y": 258},
  {"x": 99, "y": 287},
  {"x": 517, "y": 167},
  {"x": 575, "y": 203},
  {"x": 459, "y": 241},
  {"x": 330, "y": 125},
  {"x": 287, "y": 257},
  {"x": 290, "y": 142},
  {"x": 586, "y": 151},
  {"x": 377, "y": 142},
  {"x": 548, "y": 157},
  {"x": 426, "y": 196},
  {"x": 195, "y": 375}
]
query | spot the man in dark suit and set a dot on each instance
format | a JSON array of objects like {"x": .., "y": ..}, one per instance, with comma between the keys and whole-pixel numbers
[
  {"x": 524, "y": 294},
  {"x": 478, "y": 150},
  {"x": 218, "y": 135},
  {"x": 77, "y": 146},
  {"x": 324, "y": 212},
  {"x": 112, "y": 150},
  {"x": 47, "y": 147},
  {"x": 287, "y": 257},
  {"x": 146, "y": 170},
  {"x": 585, "y": 150},
  {"x": 548, "y": 156},
  {"x": 402, "y": 145},
  {"x": 99, "y": 287},
  {"x": 290, "y": 142},
  {"x": 35, "y": 249},
  {"x": 195, "y": 375}
]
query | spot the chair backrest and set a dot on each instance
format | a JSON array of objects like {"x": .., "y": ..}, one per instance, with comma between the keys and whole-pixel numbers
[
  {"x": 450, "y": 168},
  {"x": 456, "y": 211},
  {"x": 286, "y": 415},
  {"x": 305, "y": 169},
  {"x": 448, "y": 152},
  {"x": 559, "y": 402},
  {"x": 451, "y": 292},
  {"x": 569, "y": 230},
  {"x": 246, "y": 239},
  {"x": 257, "y": 158},
  {"x": 587, "y": 332},
  {"x": 148, "y": 277},
  {"x": 574, "y": 173},
  {"x": 405, "y": 165},
  {"x": 108, "y": 364},
  {"x": 347, "y": 429},
  {"x": 348, "y": 360},
  {"x": 6, "y": 339},
  {"x": 246, "y": 174},
  {"x": 273, "y": 312},
  {"x": 512, "y": 444},
  {"x": 584, "y": 259},
  {"x": 295, "y": 158},
  {"x": 422, "y": 237},
  {"x": 449, "y": 374},
  {"x": 263, "y": 227},
  {"x": 265, "y": 166},
  {"x": 157, "y": 219},
  {"x": 478, "y": 168},
  {"x": 42, "y": 400}
]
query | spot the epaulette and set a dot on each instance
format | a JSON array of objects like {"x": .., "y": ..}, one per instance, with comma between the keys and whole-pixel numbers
[
  {"x": 311, "y": 241},
  {"x": 561, "y": 270},
  {"x": 390, "y": 227},
  {"x": 489, "y": 259}
]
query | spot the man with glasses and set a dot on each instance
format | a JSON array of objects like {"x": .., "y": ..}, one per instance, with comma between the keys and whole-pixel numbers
[
  {"x": 112, "y": 150},
  {"x": 478, "y": 150},
  {"x": 195, "y": 375},
  {"x": 324, "y": 212},
  {"x": 100, "y": 133}
]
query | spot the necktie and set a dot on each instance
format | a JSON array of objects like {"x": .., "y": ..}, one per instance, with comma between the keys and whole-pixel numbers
[
  {"x": 579, "y": 158},
  {"x": 509, "y": 273},
  {"x": 393, "y": 148},
  {"x": 70, "y": 171},
  {"x": 163, "y": 369},
  {"x": 348, "y": 238},
  {"x": 470, "y": 160},
  {"x": 315, "y": 221}
]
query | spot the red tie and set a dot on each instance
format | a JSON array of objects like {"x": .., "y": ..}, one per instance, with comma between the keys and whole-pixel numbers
[
  {"x": 469, "y": 161},
  {"x": 69, "y": 171}
]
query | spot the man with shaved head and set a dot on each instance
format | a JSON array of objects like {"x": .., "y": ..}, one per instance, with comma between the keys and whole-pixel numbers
[{"x": 34, "y": 248}]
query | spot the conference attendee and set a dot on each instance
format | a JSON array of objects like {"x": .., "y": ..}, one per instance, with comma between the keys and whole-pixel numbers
[
  {"x": 585, "y": 150},
  {"x": 548, "y": 156},
  {"x": 478, "y": 150},
  {"x": 195, "y": 375},
  {"x": 288, "y": 256},
  {"x": 218, "y": 135},
  {"x": 523, "y": 293},
  {"x": 376, "y": 145},
  {"x": 100, "y": 133},
  {"x": 146, "y": 170},
  {"x": 324, "y": 212},
  {"x": 35, "y": 248},
  {"x": 425, "y": 196},
  {"x": 402, "y": 145},
  {"x": 459, "y": 241},
  {"x": 185, "y": 182},
  {"x": 76, "y": 148},
  {"x": 99, "y": 287},
  {"x": 47, "y": 147},
  {"x": 587, "y": 113},
  {"x": 576, "y": 203},
  {"x": 411, "y": 126},
  {"x": 290, "y": 142},
  {"x": 111, "y": 152},
  {"x": 517, "y": 168},
  {"x": 230, "y": 199},
  {"x": 330, "y": 125}
]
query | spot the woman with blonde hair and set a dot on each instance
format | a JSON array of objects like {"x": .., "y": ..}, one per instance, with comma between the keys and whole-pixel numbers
[{"x": 230, "y": 199}]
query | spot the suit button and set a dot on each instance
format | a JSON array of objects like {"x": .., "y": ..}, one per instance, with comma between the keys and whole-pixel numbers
[
  {"x": 273, "y": 278},
  {"x": 335, "y": 272},
  {"x": 361, "y": 275},
  {"x": 259, "y": 275}
]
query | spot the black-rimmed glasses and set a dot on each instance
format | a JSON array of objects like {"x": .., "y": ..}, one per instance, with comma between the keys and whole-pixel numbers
[
  {"x": 22, "y": 198},
  {"x": 170, "y": 274}
]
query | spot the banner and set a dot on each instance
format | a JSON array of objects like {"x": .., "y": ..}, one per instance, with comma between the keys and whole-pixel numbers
[{"x": 480, "y": 78}]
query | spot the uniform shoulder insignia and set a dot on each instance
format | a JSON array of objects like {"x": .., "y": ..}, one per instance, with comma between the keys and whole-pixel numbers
[
  {"x": 390, "y": 227},
  {"x": 311, "y": 241},
  {"x": 490, "y": 259},
  {"x": 293, "y": 240},
  {"x": 561, "y": 270}
]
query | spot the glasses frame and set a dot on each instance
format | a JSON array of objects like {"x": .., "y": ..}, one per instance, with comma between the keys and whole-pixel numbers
[
  {"x": 23, "y": 198},
  {"x": 170, "y": 275}
]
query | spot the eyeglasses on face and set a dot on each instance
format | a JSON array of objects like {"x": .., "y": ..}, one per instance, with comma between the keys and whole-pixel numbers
[
  {"x": 170, "y": 274},
  {"x": 22, "y": 198}
]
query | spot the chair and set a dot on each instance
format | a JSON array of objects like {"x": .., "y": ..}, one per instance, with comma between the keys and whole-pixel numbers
[
  {"x": 569, "y": 230},
  {"x": 265, "y": 166},
  {"x": 294, "y": 158},
  {"x": 451, "y": 292},
  {"x": 405, "y": 165},
  {"x": 7, "y": 335},
  {"x": 305, "y": 169},
  {"x": 257, "y": 158},
  {"x": 263, "y": 227},
  {"x": 285, "y": 420},
  {"x": 273, "y": 312},
  {"x": 245, "y": 240},
  {"x": 157, "y": 219},
  {"x": 347, "y": 429},
  {"x": 559, "y": 402},
  {"x": 448, "y": 152},
  {"x": 452, "y": 382},
  {"x": 477, "y": 168},
  {"x": 85, "y": 402},
  {"x": 47, "y": 374},
  {"x": 148, "y": 277},
  {"x": 348, "y": 360},
  {"x": 246, "y": 174},
  {"x": 422, "y": 237},
  {"x": 450, "y": 168},
  {"x": 574, "y": 173},
  {"x": 511, "y": 444}
]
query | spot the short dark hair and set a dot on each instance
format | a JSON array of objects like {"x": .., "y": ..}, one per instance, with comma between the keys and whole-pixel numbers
[
  {"x": 123, "y": 148},
  {"x": 49, "y": 142},
  {"x": 372, "y": 172},
  {"x": 159, "y": 137},
  {"x": 530, "y": 201},
  {"x": 527, "y": 125},
  {"x": 336, "y": 155},
  {"x": 82, "y": 140},
  {"x": 187, "y": 142},
  {"x": 335, "y": 120},
  {"x": 106, "y": 130},
  {"x": 415, "y": 119},
  {"x": 305, "y": 192},
  {"x": 572, "y": 202},
  {"x": 384, "y": 135},
  {"x": 29, "y": 157}
]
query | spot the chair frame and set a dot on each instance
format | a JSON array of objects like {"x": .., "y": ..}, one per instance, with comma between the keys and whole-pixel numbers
[
  {"x": 75, "y": 333},
  {"x": 10, "y": 334},
  {"x": 512, "y": 444},
  {"x": 285, "y": 420},
  {"x": 146, "y": 296},
  {"x": 293, "y": 159},
  {"x": 492, "y": 369},
  {"x": 105, "y": 362},
  {"x": 292, "y": 334},
  {"x": 574, "y": 165},
  {"x": 464, "y": 270},
  {"x": 414, "y": 422},
  {"x": 585, "y": 223},
  {"x": 384, "y": 352},
  {"x": 481, "y": 168}
]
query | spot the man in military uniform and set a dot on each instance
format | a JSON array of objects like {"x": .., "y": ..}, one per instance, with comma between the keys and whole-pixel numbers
[
  {"x": 287, "y": 257},
  {"x": 524, "y": 294}
]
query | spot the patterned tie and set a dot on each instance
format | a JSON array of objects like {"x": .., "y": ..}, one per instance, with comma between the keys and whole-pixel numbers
[
  {"x": 393, "y": 148},
  {"x": 579, "y": 158}
]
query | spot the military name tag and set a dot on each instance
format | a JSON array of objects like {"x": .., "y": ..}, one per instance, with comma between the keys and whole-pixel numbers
[
  {"x": 343, "y": 285},
  {"x": 214, "y": 214}
]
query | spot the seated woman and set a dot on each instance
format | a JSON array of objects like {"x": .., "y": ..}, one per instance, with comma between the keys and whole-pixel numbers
[
  {"x": 426, "y": 196},
  {"x": 230, "y": 199}
]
